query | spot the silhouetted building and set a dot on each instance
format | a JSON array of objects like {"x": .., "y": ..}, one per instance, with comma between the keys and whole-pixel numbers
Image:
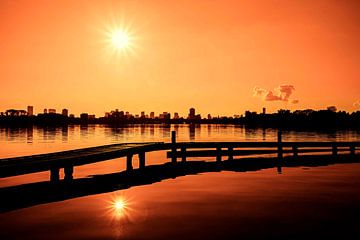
[
  {"x": 142, "y": 114},
  {"x": 209, "y": 116},
  {"x": 65, "y": 112},
  {"x": 30, "y": 110},
  {"x": 191, "y": 113},
  {"x": 176, "y": 115},
  {"x": 71, "y": 116},
  {"x": 52, "y": 110},
  {"x": 15, "y": 113},
  {"x": 264, "y": 111},
  {"x": 84, "y": 116},
  {"x": 152, "y": 115},
  {"x": 91, "y": 117},
  {"x": 45, "y": 111}
]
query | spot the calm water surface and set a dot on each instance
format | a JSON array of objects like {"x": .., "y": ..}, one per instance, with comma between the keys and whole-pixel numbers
[{"x": 301, "y": 202}]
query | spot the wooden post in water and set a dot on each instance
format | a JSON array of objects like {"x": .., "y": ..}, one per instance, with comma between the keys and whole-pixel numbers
[
  {"x": 231, "y": 154},
  {"x": 295, "y": 151},
  {"x": 280, "y": 149},
  {"x": 183, "y": 154},
  {"x": 142, "y": 159},
  {"x": 352, "y": 150},
  {"x": 218, "y": 154},
  {"x": 334, "y": 150},
  {"x": 173, "y": 142},
  {"x": 68, "y": 171},
  {"x": 55, "y": 174},
  {"x": 129, "y": 165}
]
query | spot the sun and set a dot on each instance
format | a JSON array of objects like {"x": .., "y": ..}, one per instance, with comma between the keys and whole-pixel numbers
[
  {"x": 119, "y": 205},
  {"x": 120, "y": 39}
]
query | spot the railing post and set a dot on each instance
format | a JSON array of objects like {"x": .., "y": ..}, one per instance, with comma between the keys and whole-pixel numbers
[
  {"x": 352, "y": 150},
  {"x": 129, "y": 165},
  {"x": 280, "y": 148},
  {"x": 68, "y": 171},
  {"x": 142, "y": 159},
  {"x": 55, "y": 174},
  {"x": 173, "y": 142},
  {"x": 230, "y": 152},
  {"x": 183, "y": 154},
  {"x": 218, "y": 154},
  {"x": 334, "y": 150},
  {"x": 295, "y": 151}
]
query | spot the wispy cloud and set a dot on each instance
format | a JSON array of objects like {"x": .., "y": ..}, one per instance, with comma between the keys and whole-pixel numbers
[
  {"x": 357, "y": 104},
  {"x": 281, "y": 93}
]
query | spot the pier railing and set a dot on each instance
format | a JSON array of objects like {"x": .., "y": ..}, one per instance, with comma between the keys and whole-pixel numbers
[{"x": 183, "y": 150}]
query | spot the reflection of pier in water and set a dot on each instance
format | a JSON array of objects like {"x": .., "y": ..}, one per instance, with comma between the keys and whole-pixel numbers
[{"x": 26, "y": 195}]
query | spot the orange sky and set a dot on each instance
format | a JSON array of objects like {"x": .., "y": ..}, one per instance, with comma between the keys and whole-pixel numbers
[{"x": 204, "y": 54}]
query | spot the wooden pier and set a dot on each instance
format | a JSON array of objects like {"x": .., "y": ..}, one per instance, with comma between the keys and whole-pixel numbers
[{"x": 67, "y": 160}]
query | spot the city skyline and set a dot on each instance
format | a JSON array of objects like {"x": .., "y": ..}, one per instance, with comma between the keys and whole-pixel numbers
[
  {"x": 221, "y": 57},
  {"x": 191, "y": 114}
]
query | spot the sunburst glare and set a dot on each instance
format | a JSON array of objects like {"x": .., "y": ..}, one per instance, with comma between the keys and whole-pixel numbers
[{"x": 119, "y": 40}]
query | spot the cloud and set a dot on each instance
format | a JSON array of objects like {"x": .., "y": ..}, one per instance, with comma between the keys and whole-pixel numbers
[
  {"x": 271, "y": 97},
  {"x": 281, "y": 93},
  {"x": 357, "y": 104},
  {"x": 259, "y": 92},
  {"x": 286, "y": 91}
]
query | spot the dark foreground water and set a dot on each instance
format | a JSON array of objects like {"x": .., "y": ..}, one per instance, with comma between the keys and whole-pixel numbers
[{"x": 301, "y": 203}]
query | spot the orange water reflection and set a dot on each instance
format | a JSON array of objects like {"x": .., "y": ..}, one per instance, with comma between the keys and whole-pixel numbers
[{"x": 119, "y": 207}]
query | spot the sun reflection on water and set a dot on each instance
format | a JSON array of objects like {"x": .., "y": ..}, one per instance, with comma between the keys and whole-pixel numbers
[
  {"x": 119, "y": 207},
  {"x": 122, "y": 210}
]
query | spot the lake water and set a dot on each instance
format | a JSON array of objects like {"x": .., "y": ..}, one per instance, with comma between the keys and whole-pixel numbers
[{"x": 302, "y": 202}]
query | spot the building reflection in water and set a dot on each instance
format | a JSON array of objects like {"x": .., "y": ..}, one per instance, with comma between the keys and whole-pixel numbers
[
  {"x": 64, "y": 133},
  {"x": 84, "y": 130},
  {"x": 29, "y": 134},
  {"x": 49, "y": 133},
  {"x": 194, "y": 129},
  {"x": 209, "y": 127},
  {"x": 142, "y": 129},
  {"x": 152, "y": 129},
  {"x": 166, "y": 130},
  {"x": 263, "y": 134}
]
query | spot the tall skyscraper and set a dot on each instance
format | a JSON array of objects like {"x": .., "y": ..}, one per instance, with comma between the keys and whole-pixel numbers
[
  {"x": 152, "y": 115},
  {"x": 192, "y": 113},
  {"x": 65, "y": 112},
  {"x": 30, "y": 110}
]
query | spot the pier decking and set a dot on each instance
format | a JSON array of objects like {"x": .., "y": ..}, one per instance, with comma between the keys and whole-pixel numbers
[
  {"x": 53, "y": 162},
  {"x": 69, "y": 159}
]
